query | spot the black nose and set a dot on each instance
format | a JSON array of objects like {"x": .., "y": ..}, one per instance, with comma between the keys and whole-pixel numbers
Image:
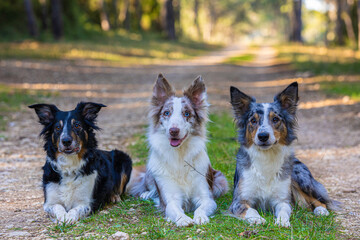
[
  {"x": 264, "y": 136},
  {"x": 174, "y": 132},
  {"x": 66, "y": 141}
]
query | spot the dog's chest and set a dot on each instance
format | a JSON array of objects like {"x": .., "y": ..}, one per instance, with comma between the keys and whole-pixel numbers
[
  {"x": 74, "y": 190},
  {"x": 263, "y": 179}
]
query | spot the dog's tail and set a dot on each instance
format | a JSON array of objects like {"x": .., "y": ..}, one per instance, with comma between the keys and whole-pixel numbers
[
  {"x": 137, "y": 183},
  {"x": 217, "y": 182},
  {"x": 122, "y": 167}
]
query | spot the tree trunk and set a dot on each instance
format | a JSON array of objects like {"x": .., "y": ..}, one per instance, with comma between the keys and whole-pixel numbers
[
  {"x": 56, "y": 19},
  {"x": 358, "y": 17},
  {"x": 44, "y": 14},
  {"x": 348, "y": 23},
  {"x": 170, "y": 19},
  {"x": 339, "y": 31},
  {"x": 116, "y": 13},
  {"x": 31, "y": 18},
  {"x": 213, "y": 17},
  {"x": 296, "y": 22},
  {"x": 138, "y": 13},
  {"x": 126, "y": 15},
  {"x": 196, "y": 19},
  {"x": 104, "y": 20}
]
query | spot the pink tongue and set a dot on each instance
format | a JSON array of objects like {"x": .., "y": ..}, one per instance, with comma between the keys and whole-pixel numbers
[{"x": 175, "y": 142}]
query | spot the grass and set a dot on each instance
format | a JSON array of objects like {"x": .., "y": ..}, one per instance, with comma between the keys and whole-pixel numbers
[
  {"x": 337, "y": 61},
  {"x": 240, "y": 60},
  {"x": 112, "y": 47},
  {"x": 12, "y": 100},
  {"x": 141, "y": 220}
]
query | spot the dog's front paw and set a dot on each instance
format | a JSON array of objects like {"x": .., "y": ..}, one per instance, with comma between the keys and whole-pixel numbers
[
  {"x": 253, "y": 217},
  {"x": 184, "y": 221},
  {"x": 115, "y": 198},
  {"x": 201, "y": 219},
  {"x": 283, "y": 222},
  {"x": 72, "y": 217},
  {"x": 321, "y": 211}
]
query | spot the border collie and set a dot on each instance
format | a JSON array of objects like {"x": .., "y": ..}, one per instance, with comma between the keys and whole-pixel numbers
[
  {"x": 178, "y": 175},
  {"x": 268, "y": 175},
  {"x": 78, "y": 178}
]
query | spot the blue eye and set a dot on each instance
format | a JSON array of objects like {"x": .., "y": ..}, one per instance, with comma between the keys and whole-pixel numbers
[
  {"x": 186, "y": 114},
  {"x": 166, "y": 113}
]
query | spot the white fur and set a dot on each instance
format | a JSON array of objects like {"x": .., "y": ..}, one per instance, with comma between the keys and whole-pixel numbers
[
  {"x": 180, "y": 172},
  {"x": 261, "y": 181},
  {"x": 70, "y": 199},
  {"x": 265, "y": 127}
]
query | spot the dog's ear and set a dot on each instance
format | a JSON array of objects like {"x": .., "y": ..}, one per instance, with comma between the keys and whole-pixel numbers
[
  {"x": 89, "y": 110},
  {"x": 196, "y": 92},
  {"x": 162, "y": 90},
  {"x": 288, "y": 98},
  {"x": 45, "y": 112},
  {"x": 240, "y": 101}
]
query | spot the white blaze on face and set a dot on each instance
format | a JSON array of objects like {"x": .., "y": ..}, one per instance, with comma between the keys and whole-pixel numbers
[
  {"x": 265, "y": 127},
  {"x": 177, "y": 121}
]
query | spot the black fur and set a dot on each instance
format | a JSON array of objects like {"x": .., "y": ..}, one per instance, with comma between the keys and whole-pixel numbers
[{"x": 111, "y": 166}]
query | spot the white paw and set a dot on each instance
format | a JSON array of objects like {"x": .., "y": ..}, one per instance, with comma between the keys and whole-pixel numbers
[
  {"x": 321, "y": 211},
  {"x": 253, "y": 217},
  {"x": 184, "y": 221},
  {"x": 72, "y": 217},
  {"x": 283, "y": 222},
  {"x": 146, "y": 195},
  {"x": 201, "y": 219}
]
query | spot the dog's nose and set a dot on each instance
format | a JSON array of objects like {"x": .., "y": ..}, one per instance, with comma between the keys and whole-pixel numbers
[
  {"x": 66, "y": 141},
  {"x": 174, "y": 132},
  {"x": 263, "y": 137}
]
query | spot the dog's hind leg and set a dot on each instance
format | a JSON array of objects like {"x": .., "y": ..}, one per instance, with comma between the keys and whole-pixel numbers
[
  {"x": 309, "y": 192},
  {"x": 122, "y": 167}
]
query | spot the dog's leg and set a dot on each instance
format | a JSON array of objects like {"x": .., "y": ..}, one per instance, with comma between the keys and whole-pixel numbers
[
  {"x": 56, "y": 212},
  {"x": 171, "y": 199},
  {"x": 206, "y": 204},
  {"x": 282, "y": 213},
  {"x": 77, "y": 213}
]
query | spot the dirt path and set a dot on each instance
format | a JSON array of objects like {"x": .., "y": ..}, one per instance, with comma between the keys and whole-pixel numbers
[{"x": 329, "y": 134}]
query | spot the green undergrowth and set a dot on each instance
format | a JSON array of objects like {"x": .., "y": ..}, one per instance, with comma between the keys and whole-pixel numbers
[
  {"x": 241, "y": 59},
  {"x": 141, "y": 220},
  {"x": 12, "y": 100}
]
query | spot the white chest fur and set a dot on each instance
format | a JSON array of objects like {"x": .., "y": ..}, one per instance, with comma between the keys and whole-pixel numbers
[
  {"x": 72, "y": 191},
  {"x": 261, "y": 183}
]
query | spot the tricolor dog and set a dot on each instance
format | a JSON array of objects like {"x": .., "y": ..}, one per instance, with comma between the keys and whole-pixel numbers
[
  {"x": 268, "y": 175},
  {"x": 78, "y": 178},
  {"x": 178, "y": 175}
]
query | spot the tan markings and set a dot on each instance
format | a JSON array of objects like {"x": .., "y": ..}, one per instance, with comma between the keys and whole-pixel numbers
[
  {"x": 86, "y": 136},
  {"x": 82, "y": 151},
  {"x": 246, "y": 206},
  {"x": 279, "y": 128},
  {"x": 251, "y": 130},
  {"x": 310, "y": 200},
  {"x": 210, "y": 177}
]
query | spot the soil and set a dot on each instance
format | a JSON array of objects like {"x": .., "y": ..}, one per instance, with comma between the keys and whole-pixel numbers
[{"x": 328, "y": 136}]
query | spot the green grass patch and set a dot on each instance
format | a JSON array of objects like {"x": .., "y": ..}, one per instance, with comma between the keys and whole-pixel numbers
[
  {"x": 113, "y": 47},
  {"x": 321, "y": 60},
  {"x": 12, "y": 100},
  {"x": 141, "y": 220},
  {"x": 351, "y": 89},
  {"x": 240, "y": 60}
]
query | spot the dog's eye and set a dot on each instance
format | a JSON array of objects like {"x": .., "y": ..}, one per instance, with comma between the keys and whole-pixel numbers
[
  {"x": 187, "y": 114},
  {"x": 253, "y": 121},
  {"x": 57, "y": 128},
  {"x": 76, "y": 125},
  {"x": 166, "y": 113},
  {"x": 275, "y": 119}
]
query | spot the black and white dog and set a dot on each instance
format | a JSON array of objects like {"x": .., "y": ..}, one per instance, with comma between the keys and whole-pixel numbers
[
  {"x": 78, "y": 178},
  {"x": 178, "y": 174},
  {"x": 268, "y": 175}
]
